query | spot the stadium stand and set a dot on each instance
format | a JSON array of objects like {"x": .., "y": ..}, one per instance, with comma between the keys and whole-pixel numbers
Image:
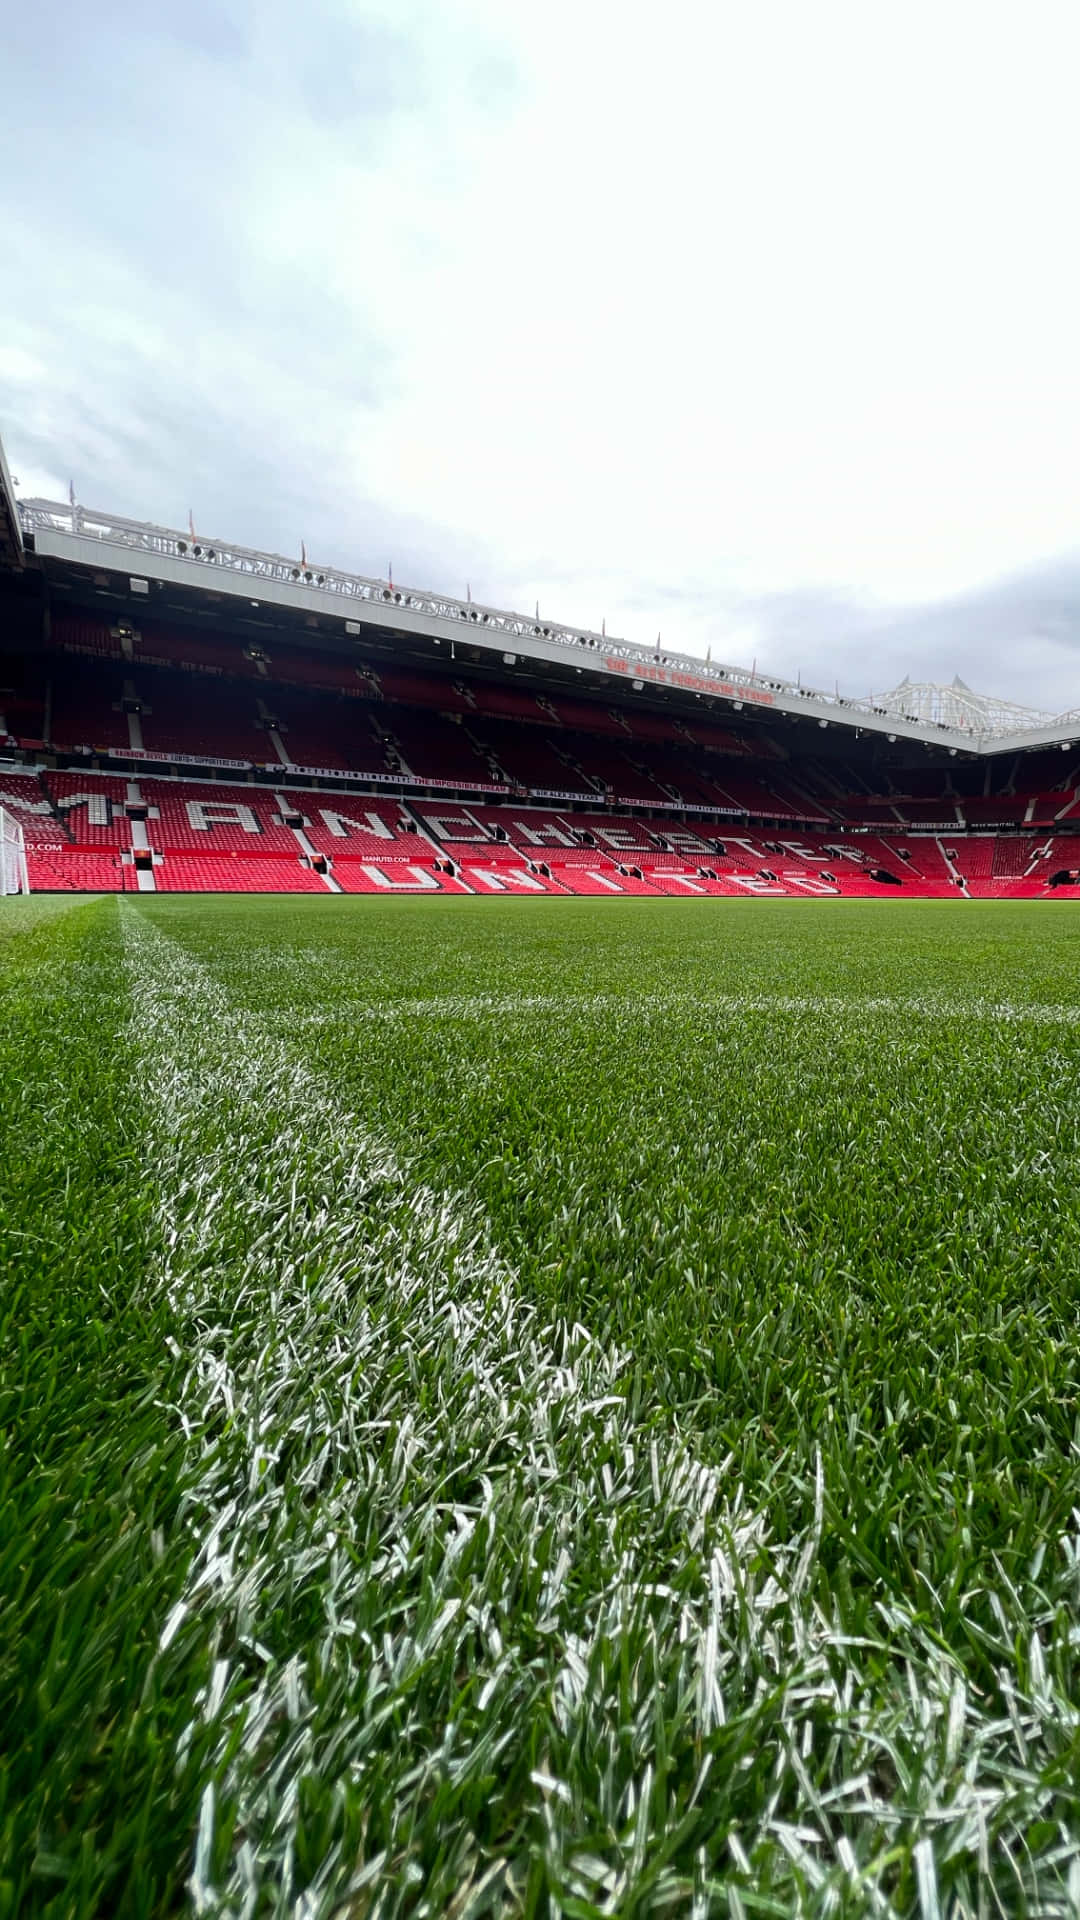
[
  {"x": 87, "y": 707},
  {"x": 188, "y": 758},
  {"x": 435, "y": 747},
  {"x": 231, "y": 873},
  {"x": 358, "y": 827},
  {"x": 314, "y": 732},
  {"x": 1013, "y": 857},
  {"x": 25, "y": 796},
  {"x": 193, "y": 714},
  {"x": 64, "y": 870},
  {"x": 92, "y": 807},
  {"x": 23, "y": 693},
  {"x": 510, "y": 879},
  {"x": 532, "y": 758},
  {"x": 368, "y": 876}
]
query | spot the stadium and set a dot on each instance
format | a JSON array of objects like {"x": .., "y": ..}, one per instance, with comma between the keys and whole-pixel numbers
[
  {"x": 540, "y": 1221},
  {"x": 182, "y": 715}
]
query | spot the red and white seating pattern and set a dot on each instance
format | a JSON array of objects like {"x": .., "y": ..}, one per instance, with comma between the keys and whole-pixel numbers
[
  {"x": 195, "y": 693},
  {"x": 219, "y": 836},
  {"x": 23, "y": 796},
  {"x": 200, "y": 817},
  {"x": 354, "y": 826},
  {"x": 241, "y": 837},
  {"x": 91, "y": 807}
]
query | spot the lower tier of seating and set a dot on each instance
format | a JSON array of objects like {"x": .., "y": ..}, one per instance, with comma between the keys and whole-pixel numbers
[
  {"x": 233, "y": 873},
  {"x": 92, "y": 832},
  {"x": 73, "y": 870},
  {"x": 63, "y": 869}
]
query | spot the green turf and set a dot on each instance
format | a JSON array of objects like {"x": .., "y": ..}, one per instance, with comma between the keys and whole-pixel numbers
[
  {"x": 20, "y": 913},
  {"x": 541, "y": 1406}
]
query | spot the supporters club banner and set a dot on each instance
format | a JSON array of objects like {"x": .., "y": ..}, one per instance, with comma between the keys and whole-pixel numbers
[
  {"x": 331, "y": 773},
  {"x": 365, "y": 778},
  {"x": 665, "y": 806},
  {"x": 559, "y": 793},
  {"x": 727, "y": 813},
  {"x": 385, "y": 779},
  {"x": 177, "y": 759}
]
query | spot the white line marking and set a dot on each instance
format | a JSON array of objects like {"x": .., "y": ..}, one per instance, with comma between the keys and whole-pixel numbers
[{"x": 337, "y": 1313}]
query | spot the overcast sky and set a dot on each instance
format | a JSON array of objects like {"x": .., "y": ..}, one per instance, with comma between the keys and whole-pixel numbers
[{"x": 753, "y": 322}]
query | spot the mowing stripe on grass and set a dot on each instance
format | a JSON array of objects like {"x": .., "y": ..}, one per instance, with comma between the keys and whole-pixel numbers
[
  {"x": 22, "y": 913},
  {"x": 849, "y": 1008},
  {"x": 474, "y": 1628}
]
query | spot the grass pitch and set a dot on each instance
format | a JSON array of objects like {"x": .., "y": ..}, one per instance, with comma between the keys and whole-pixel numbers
[{"x": 525, "y": 1407}]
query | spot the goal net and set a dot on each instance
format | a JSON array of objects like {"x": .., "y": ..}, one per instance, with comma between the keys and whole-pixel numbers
[{"x": 13, "y": 875}]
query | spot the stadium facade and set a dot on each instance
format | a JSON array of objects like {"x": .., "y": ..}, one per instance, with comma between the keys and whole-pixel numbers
[{"x": 178, "y": 713}]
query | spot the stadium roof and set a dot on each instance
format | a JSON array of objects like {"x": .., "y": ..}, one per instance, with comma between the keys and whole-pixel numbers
[
  {"x": 953, "y": 718},
  {"x": 11, "y": 540},
  {"x": 956, "y": 705}
]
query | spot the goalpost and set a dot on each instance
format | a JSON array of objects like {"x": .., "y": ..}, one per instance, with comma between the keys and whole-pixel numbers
[{"x": 13, "y": 874}]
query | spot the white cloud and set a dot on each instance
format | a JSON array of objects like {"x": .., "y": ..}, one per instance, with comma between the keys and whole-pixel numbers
[{"x": 660, "y": 316}]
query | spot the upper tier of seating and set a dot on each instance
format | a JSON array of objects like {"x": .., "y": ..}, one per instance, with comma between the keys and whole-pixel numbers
[{"x": 185, "y": 696}]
